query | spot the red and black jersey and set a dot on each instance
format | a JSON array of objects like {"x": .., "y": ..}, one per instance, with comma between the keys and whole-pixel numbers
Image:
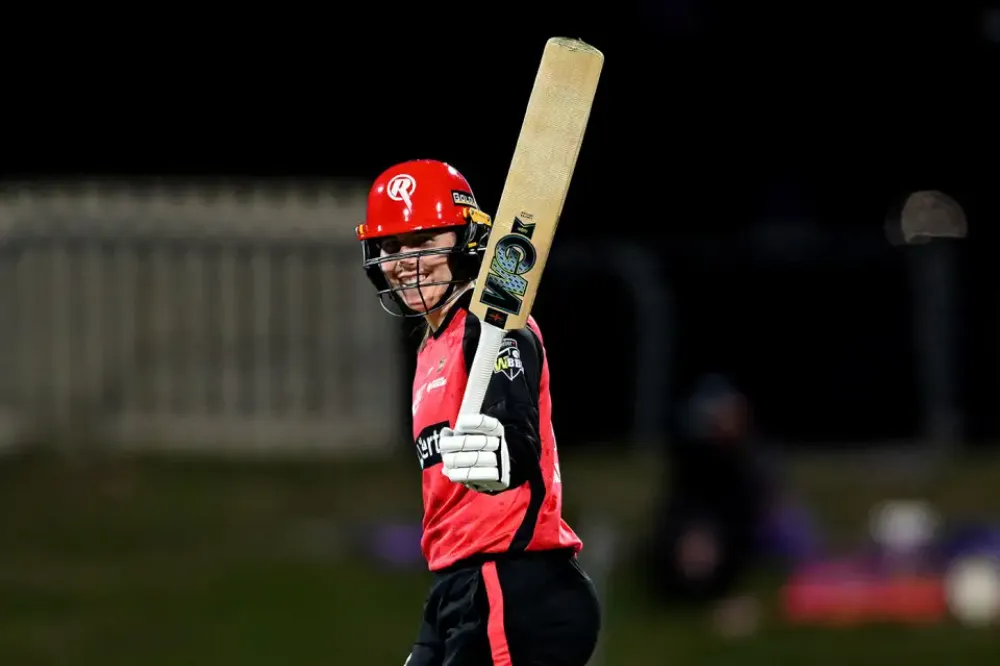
[{"x": 460, "y": 523}]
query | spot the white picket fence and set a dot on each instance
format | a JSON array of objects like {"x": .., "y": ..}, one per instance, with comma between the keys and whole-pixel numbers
[{"x": 202, "y": 317}]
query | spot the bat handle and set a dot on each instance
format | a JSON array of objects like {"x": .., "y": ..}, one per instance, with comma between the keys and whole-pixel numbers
[{"x": 490, "y": 339}]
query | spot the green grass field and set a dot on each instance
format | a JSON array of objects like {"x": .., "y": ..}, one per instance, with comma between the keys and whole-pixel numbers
[{"x": 108, "y": 561}]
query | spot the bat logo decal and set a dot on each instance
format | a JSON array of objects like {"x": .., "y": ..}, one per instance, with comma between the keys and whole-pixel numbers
[{"x": 515, "y": 256}]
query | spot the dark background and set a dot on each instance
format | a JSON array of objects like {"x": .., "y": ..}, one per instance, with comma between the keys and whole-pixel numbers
[{"x": 714, "y": 123}]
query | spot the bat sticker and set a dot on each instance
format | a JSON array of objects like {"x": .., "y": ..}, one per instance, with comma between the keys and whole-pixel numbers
[{"x": 515, "y": 256}]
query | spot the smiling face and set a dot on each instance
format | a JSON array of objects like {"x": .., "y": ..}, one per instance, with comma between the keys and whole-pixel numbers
[{"x": 421, "y": 280}]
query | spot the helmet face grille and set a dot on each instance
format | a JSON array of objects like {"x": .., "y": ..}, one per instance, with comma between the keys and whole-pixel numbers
[{"x": 464, "y": 257}]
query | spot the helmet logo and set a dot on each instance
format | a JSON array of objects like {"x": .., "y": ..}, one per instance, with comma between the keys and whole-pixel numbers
[{"x": 400, "y": 188}]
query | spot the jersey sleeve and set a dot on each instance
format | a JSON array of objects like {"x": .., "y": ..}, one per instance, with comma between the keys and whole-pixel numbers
[{"x": 513, "y": 394}]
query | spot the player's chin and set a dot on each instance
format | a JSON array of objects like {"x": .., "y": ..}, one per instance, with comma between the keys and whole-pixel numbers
[{"x": 420, "y": 300}]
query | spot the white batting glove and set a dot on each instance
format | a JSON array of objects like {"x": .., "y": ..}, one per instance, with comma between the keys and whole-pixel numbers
[{"x": 475, "y": 453}]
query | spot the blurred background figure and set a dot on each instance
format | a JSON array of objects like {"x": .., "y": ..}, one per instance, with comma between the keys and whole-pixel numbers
[{"x": 718, "y": 498}]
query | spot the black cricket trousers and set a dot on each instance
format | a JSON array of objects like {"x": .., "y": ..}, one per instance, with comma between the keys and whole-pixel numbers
[{"x": 530, "y": 609}]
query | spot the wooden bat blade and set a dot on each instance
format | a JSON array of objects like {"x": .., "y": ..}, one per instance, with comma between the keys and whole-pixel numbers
[
  {"x": 532, "y": 201},
  {"x": 537, "y": 182}
]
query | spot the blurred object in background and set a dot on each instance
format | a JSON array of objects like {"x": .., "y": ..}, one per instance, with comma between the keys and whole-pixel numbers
[
  {"x": 904, "y": 534},
  {"x": 911, "y": 571},
  {"x": 923, "y": 216},
  {"x": 892, "y": 579},
  {"x": 973, "y": 589},
  {"x": 674, "y": 17},
  {"x": 972, "y": 538},
  {"x": 848, "y": 591},
  {"x": 971, "y": 552},
  {"x": 991, "y": 25},
  {"x": 710, "y": 523},
  {"x": 932, "y": 214},
  {"x": 192, "y": 315}
]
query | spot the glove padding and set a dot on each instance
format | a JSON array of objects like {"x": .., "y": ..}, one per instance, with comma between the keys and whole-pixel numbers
[{"x": 475, "y": 453}]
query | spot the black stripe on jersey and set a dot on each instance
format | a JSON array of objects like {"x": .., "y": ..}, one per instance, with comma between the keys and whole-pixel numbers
[{"x": 512, "y": 398}]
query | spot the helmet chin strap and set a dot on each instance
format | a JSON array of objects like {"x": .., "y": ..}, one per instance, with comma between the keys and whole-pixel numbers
[{"x": 451, "y": 294}]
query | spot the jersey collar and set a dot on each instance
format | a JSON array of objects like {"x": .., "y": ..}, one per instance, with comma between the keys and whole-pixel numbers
[{"x": 461, "y": 304}]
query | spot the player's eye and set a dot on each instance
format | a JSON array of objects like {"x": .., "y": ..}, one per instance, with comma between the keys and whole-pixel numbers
[
  {"x": 389, "y": 246},
  {"x": 407, "y": 243}
]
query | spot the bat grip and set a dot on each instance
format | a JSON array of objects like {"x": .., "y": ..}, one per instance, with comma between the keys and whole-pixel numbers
[{"x": 490, "y": 339}]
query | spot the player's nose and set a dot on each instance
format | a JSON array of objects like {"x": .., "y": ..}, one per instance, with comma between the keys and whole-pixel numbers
[{"x": 406, "y": 266}]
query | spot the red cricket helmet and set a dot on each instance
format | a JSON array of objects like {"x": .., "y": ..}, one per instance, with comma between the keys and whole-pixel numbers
[{"x": 422, "y": 195}]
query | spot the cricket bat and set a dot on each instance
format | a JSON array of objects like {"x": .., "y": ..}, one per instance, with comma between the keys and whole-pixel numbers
[{"x": 532, "y": 201}]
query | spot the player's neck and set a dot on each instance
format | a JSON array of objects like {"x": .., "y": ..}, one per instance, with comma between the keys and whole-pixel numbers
[{"x": 436, "y": 318}]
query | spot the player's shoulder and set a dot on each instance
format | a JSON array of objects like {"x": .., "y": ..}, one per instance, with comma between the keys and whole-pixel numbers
[
  {"x": 528, "y": 339},
  {"x": 525, "y": 336},
  {"x": 533, "y": 325}
]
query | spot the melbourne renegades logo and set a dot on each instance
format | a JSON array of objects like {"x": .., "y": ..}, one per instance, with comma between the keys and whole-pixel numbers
[{"x": 400, "y": 188}]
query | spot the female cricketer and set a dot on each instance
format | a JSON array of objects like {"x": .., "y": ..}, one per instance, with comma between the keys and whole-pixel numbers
[{"x": 507, "y": 588}]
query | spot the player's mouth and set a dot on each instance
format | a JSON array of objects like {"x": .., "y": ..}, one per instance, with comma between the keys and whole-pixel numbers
[{"x": 411, "y": 281}]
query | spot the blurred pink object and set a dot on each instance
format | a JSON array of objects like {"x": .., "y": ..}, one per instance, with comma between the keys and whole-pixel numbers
[{"x": 843, "y": 593}]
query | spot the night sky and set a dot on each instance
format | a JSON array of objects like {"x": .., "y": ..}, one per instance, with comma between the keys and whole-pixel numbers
[{"x": 709, "y": 116}]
